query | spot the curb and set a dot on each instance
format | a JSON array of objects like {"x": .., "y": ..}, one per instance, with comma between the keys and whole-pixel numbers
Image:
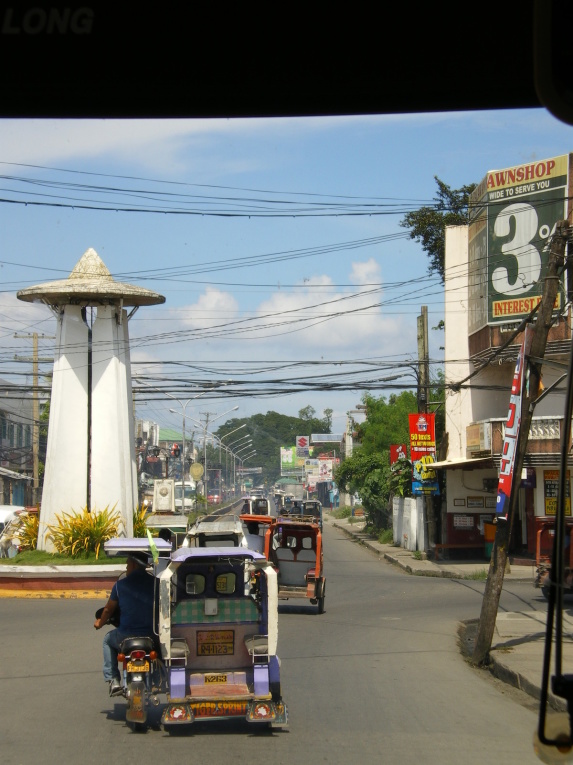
[
  {"x": 405, "y": 560},
  {"x": 511, "y": 677},
  {"x": 14, "y": 594},
  {"x": 58, "y": 582},
  {"x": 395, "y": 559}
]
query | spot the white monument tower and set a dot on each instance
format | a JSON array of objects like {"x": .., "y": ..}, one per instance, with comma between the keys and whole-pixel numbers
[{"x": 90, "y": 459}]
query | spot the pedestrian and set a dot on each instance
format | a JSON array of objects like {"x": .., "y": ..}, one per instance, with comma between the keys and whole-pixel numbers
[{"x": 133, "y": 596}]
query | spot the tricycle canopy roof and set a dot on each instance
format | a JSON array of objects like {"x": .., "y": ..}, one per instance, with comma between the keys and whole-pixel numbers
[
  {"x": 205, "y": 553},
  {"x": 122, "y": 546}
]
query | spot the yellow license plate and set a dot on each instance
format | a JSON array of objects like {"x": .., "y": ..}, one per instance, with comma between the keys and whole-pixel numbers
[
  {"x": 215, "y": 679},
  {"x": 138, "y": 666}
]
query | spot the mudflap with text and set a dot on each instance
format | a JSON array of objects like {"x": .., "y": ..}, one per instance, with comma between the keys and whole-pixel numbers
[{"x": 136, "y": 708}]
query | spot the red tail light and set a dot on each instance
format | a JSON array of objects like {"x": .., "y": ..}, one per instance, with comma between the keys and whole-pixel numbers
[{"x": 138, "y": 654}]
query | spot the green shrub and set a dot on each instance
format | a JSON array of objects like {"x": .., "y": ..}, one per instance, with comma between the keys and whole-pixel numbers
[
  {"x": 139, "y": 525},
  {"x": 386, "y": 537},
  {"x": 28, "y": 531},
  {"x": 81, "y": 533},
  {"x": 343, "y": 512}
]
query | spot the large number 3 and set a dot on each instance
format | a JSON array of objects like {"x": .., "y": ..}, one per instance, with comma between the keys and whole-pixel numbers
[{"x": 520, "y": 247}]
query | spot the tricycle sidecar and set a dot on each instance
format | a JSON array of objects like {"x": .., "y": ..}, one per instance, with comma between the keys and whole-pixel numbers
[
  {"x": 294, "y": 546},
  {"x": 218, "y": 631}
]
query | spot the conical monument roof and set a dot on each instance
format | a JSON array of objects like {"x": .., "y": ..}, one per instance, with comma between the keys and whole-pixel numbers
[{"x": 90, "y": 283}]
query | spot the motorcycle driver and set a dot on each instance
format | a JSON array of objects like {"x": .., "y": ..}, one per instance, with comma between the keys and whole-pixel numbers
[{"x": 133, "y": 595}]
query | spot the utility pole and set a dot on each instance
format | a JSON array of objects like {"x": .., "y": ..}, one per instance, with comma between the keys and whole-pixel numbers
[
  {"x": 423, "y": 398},
  {"x": 532, "y": 366},
  {"x": 423, "y": 361},
  {"x": 35, "y": 407}
]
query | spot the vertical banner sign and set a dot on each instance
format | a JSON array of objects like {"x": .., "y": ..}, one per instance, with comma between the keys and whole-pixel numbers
[
  {"x": 512, "y": 430},
  {"x": 423, "y": 454}
]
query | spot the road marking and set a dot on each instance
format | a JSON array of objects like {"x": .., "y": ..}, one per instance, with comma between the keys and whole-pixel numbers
[{"x": 57, "y": 594}]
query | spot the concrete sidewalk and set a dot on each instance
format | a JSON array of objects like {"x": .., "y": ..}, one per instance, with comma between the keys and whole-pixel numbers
[{"x": 518, "y": 644}]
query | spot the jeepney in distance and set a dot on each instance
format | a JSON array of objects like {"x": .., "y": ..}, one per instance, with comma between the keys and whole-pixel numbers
[{"x": 218, "y": 632}]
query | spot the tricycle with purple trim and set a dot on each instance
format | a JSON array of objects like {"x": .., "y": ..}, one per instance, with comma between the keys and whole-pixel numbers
[{"x": 218, "y": 632}]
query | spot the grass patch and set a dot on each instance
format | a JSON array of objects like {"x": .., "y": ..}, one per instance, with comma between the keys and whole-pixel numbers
[
  {"x": 480, "y": 575},
  {"x": 343, "y": 512},
  {"x": 43, "y": 558},
  {"x": 386, "y": 537}
]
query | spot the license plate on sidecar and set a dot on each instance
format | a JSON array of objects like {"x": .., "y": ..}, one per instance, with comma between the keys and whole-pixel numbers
[
  {"x": 138, "y": 666},
  {"x": 215, "y": 643}
]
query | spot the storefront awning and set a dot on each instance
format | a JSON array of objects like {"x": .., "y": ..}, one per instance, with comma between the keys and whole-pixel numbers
[{"x": 464, "y": 464}]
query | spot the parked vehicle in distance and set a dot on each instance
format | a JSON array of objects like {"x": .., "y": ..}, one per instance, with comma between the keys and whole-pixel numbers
[
  {"x": 10, "y": 521},
  {"x": 185, "y": 496},
  {"x": 8, "y": 513},
  {"x": 543, "y": 556}
]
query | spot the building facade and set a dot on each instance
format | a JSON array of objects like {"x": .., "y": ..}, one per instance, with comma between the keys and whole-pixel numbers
[
  {"x": 494, "y": 277},
  {"x": 16, "y": 446}
]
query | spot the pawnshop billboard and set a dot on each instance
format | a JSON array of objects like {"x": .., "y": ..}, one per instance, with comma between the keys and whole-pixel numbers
[{"x": 513, "y": 214}]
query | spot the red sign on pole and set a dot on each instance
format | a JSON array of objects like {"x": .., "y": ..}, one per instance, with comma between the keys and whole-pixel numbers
[{"x": 398, "y": 452}]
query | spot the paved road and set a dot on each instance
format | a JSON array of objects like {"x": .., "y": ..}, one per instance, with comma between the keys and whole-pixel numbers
[{"x": 377, "y": 678}]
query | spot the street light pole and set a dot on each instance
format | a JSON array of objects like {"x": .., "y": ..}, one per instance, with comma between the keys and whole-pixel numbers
[
  {"x": 242, "y": 459},
  {"x": 207, "y": 415},
  {"x": 183, "y": 443},
  {"x": 249, "y": 442},
  {"x": 244, "y": 425}
]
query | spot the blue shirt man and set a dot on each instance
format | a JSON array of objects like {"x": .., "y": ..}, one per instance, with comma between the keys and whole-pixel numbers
[{"x": 134, "y": 597}]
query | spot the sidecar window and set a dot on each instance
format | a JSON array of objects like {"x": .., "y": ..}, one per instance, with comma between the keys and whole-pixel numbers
[
  {"x": 194, "y": 584},
  {"x": 225, "y": 583}
]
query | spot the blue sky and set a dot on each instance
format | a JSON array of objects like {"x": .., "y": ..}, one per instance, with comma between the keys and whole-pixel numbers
[{"x": 247, "y": 294}]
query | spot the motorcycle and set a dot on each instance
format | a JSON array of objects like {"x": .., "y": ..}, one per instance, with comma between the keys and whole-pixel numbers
[
  {"x": 141, "y": 677},
  {"x": 140, "y": 674},
  {"x": 141, "y": 670},
  {"x": 545, "y": 536},
  {"x": 543, "y": 580}
]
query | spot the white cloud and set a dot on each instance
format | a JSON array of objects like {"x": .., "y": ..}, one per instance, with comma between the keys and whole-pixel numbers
[
  {"x": 366, "y": 273},
  {"x": 159, "y": 144}
]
